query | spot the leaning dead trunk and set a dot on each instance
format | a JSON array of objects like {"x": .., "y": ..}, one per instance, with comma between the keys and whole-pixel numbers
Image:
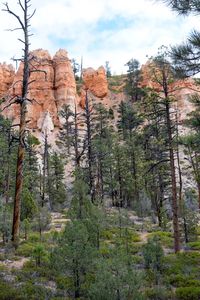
[
  {"x": 21, "y": 147},
  {"x": 22, "y": 101}
]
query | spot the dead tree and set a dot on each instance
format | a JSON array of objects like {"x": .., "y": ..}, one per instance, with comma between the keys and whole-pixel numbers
[{"x": 22, "y": 99}]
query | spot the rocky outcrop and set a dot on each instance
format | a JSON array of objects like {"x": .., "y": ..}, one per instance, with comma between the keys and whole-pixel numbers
[
  {"x": 96, "y": 81},
  {"x": 52, "y": 85},
  {"x": 181, "y": 90},
  {"x": 7, "y": 74},
  {"x": 65, "y": 85}
]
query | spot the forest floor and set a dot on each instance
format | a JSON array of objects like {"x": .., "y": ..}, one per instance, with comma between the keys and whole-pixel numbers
[{"x": 18, "y": 268}]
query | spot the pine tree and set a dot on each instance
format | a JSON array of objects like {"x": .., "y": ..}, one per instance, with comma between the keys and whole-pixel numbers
[
  {"x": 186, "y": 56},
  {"x": 65, "y": 136},
  {"x": 128, "y": 126},
  {"x": 133, "y": 80},
  {"x": 156, "y": 161},
  {"x": 191, "y": 141},
  {"x": 164, "y": 77},
  {"x": 184, "y": 7},
  {"x": 57, "y": 190}
]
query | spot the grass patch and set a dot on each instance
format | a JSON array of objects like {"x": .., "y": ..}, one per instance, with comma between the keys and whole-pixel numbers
[
  {"x": 164, "y": 237},
  {"x": 188, "y": 293},
  {"x": 194, "y": 245},
  {"x": 25, "y": 249},
  {"x": 184, "y": 264}
]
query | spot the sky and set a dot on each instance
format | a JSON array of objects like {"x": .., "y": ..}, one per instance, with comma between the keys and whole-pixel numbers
[{"x": 97, "y": 30}]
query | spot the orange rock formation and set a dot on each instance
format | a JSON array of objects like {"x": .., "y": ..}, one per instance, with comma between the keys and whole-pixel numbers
[
  {"x": 96, "y": 81},
  {"x": 52, "y": 84}
]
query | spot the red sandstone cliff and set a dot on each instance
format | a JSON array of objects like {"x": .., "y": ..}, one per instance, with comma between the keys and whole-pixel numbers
[{"x": 52, "y": 84}]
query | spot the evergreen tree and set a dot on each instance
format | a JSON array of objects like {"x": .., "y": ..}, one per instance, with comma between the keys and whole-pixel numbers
[
  {"x": 8, "y": 158},
  {"x": 134, "y": 78},
  {"x": 57, "y": 190},
  {"x": 164, "y": 78},
  {"x": 186, "y": 56},
  {"x": 156, "y": 160},
  {"x": 65, "y": 136},
  {"x": 128, "y": 126},
  {"x": 184, "y": 7},
  {"x": 75, "y": 68},
  {"x": 108, "y": 70}
]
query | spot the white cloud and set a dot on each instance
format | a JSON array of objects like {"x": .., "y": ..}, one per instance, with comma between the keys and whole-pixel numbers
[{"x": 73, "y": 24}]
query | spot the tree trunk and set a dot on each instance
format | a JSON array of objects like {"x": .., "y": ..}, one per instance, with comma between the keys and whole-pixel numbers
[
  {"x": 89, "y": 146},
  {"x": 173, "y": 178},
  {"x": 22, "y": 128}
]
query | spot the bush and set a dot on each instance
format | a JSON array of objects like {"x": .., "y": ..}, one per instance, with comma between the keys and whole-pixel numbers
[
  {"x": 157, "y": 294},
  {"x": 34, "y": 237},
  {"x": 107, "y": 234},
  {"x": 153, "y": 254},
  {"x": 194, "y": 245},
  {"x": 25, "y": 249},
  {"x": 34, "y": 292},
  {"x": 188, "y": 293},
  {"x": 64, "y": 282},
  {"x": 182, "y": 263},
  {"x": 7, "y": 292},
  {"x": 38, "y": 254},
  {"x": 164, "y": 237},
  {"x": 181, "y": 280}
]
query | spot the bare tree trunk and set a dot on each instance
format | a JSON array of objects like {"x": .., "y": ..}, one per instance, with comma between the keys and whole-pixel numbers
[
  {"x": 24, "y": 24},
  {"x": 173, "y": 178},
  {"x": 77, "y": 157},
  {"x": 179, "y": 168},
  {"x": 89, "y": 146},
  {"x": 44, "y": 173},
  {"x": 22, "y": 129},
  {"x": 198, "y": 186}
]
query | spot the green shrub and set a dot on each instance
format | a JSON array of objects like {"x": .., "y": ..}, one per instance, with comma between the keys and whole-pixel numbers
[
  {"x": 38, "y": 254},
  {"x": 34, "y": 237},
  {"x": 153, "y": 254},
  {"x": 7, "y": 292},
  {"x": 164, "y": 237},
  {"x": 180, "y": 280},
  {"x": 64, "y": 282},
  {"x": 186, "y": 263},
  {"x": 34, "y": 292},
  {"x": 194, "y": 245},
  {"x": 158, "y": 293},
  {"x": 188, "y": 293},
  {"x": 107, "y": 234},
  {"x": 25, "y": 249},
  {"x": 136, "y": 248},
  {"x": 105, "y": 249}
]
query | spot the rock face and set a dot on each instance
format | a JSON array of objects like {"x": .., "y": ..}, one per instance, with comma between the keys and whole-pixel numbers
[
  {"x": 52, "y": 85},
  {"x": 96, "y": 81},
  {"x": 7, "y": 74},
  {"x": 65, "y": 85},
  {"x": 181, "y": 90}
]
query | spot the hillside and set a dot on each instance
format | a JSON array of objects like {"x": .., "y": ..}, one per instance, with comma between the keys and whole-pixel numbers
[{"x": 111, "y": 191}]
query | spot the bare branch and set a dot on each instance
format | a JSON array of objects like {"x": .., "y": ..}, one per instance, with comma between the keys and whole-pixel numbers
[
  {"x": 31, "y": 14},
  {"x": 22, "y": 7},
  {"x": 31, "y": 81},
  {"x": 13, "y": 29},
  {"x": 11, "y": 103},
  {"x": 7, "y": 9},
  {"x": 22, "y": 41}
]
